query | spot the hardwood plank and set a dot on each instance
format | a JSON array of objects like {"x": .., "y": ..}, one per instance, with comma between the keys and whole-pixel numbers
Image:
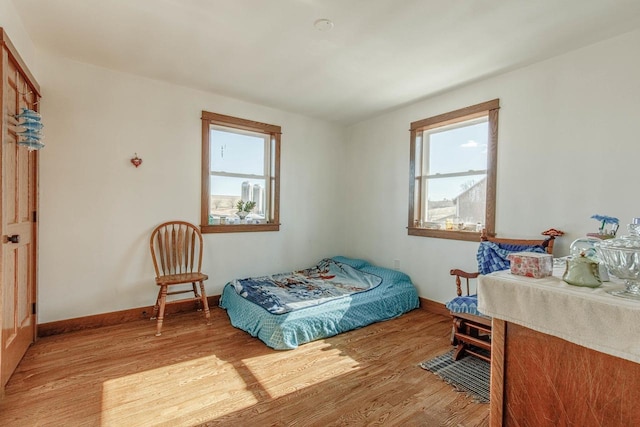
[{"x": 196, "y": 374}]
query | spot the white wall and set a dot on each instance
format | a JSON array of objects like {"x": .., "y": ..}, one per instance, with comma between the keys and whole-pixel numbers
[
  {"x": 568, "y": 136},
  {"x": 11, "y": 22},
  {"x": 97, "y": 210}
]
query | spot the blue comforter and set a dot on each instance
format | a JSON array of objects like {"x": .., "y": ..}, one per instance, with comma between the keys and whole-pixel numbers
[
  {"x": 393, "y": 296},
  {"x": 285, "y": 292}
]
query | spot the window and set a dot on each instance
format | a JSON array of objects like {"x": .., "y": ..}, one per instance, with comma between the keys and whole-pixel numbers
[
  {"x": 240, "y": 163},
  {"x": 452, "y": 189}
]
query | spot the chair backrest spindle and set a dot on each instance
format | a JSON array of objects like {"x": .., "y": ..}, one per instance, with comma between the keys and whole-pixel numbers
[{"x": 180, "y": 250}]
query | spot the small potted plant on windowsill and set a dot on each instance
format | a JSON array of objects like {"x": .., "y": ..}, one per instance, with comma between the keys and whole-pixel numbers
[{"x": 244, "y": 208}]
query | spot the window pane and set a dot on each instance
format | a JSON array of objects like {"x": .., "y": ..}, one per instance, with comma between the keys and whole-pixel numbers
[
  {"x": 456, "y": 200},
  {"x": 272, "y": 160},
  {"x": 227, "y": 191},
  {"x": 418, "y": 155},
  {"x": 272, "y": 210},
  {"x": 458, "y": 149},
  {"x": 234, "y": 152}
]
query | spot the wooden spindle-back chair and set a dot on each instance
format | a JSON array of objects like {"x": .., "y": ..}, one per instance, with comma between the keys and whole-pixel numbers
[{"x": 176, "y": 250}]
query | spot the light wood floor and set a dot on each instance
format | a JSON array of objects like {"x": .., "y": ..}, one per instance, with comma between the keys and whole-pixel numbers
[{"x": 217, "y": 375}]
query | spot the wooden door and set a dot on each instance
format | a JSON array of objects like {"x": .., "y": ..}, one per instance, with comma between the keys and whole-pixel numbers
[{"x": 18, "y": 253}]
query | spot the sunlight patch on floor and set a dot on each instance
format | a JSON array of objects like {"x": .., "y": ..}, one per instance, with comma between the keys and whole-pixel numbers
[
  {"x": 276, "y": 377},
  {"x": 184, "y": 393},
  {"x": 202, "y": 389}
]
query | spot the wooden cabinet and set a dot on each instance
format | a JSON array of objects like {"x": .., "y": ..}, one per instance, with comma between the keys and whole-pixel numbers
[
  {"x": 18, "y": 213},
  {"x": 561, "y": 355},
  {"x": 541, "y": 380}
]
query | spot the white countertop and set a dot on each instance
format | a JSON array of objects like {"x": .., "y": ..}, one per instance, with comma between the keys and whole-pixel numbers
[{"x": 589, "y": 317}]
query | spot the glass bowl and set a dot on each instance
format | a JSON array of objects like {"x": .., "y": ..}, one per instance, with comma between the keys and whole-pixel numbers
[{"x": 621, "y": 255}]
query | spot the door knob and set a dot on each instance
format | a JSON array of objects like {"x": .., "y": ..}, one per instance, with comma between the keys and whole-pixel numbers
[{"x": 15, "y": 238}]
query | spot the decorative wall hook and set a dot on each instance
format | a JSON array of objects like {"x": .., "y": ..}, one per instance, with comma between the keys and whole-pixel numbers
[{"x": 136, "y": 161}]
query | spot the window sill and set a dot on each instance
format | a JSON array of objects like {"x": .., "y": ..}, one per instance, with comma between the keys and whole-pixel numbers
[
  {"x": 470, "y": 236},
  {"x": 239, "y": 228}
]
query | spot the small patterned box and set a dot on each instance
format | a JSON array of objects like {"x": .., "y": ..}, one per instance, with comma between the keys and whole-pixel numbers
[{"x": 531, "y": 264}]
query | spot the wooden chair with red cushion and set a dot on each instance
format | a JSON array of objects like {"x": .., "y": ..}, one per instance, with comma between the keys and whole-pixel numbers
[{"x": 176, "y": 250}]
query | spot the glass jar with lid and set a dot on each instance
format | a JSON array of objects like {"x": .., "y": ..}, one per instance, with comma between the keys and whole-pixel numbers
[{"x": 622, "y": 257}]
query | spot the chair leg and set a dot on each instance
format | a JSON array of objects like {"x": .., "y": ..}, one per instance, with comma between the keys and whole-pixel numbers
[
  {"x": 205, "y": 303},
  {"x": 157, "y": 306},
  {"x": 454, "y": 328},
  {"x": 163, "y": 299},
  {"x": 196, "y": 295},
  {"x": 460, "y": 350},
  {"x": 458, "y": 326}
]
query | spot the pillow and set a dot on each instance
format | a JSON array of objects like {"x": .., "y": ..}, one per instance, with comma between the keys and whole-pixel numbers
[
  {"x": 493, "y": 256},
  {"x": 353, "y": 262}
]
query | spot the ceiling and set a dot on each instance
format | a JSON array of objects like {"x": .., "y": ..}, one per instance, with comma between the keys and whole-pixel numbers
[{"x": 381, "y": 54}]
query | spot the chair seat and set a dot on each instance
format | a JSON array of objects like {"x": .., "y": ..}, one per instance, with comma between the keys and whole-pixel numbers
[
  {"x": 465, "y": 304},
  {"x": 176, "y": 279}
]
